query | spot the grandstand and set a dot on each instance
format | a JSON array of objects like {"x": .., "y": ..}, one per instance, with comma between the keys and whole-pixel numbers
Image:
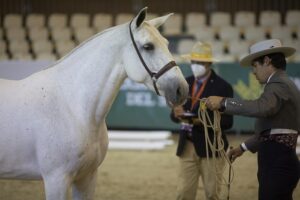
[{"x": 47, "y": 30}]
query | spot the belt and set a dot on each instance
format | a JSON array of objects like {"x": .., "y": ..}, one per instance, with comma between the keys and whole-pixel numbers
[
  {"x": 282, "y": 131},
  {"x": 287, "y": 137}
]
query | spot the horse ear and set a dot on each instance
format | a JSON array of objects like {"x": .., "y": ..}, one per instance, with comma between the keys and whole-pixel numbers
[
  {"x": 157, "y": 22},
  {"x": 139, "y": 19}
]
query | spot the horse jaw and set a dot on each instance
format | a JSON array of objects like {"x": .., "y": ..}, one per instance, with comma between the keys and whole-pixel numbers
[{"x": 173, "y": 88}]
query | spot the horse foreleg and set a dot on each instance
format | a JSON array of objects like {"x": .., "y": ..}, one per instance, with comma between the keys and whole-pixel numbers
[
  {"x": 56, "y": 187},
  {"x": 84, "y": 188}
]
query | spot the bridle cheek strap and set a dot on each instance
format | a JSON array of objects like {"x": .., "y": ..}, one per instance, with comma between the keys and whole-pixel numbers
[
  {"x": 154, "y": 75},
  {"x": 163, "y": 70}
]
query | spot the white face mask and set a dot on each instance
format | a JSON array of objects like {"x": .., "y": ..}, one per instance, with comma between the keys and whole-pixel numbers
[{"x": 198, "y": 70}]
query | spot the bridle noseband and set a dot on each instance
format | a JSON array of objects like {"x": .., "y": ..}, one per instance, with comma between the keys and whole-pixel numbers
[{"x": 154, "y": 75}]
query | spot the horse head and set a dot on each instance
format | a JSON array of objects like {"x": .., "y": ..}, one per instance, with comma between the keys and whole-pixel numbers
[{"x": 152, "y": 62}]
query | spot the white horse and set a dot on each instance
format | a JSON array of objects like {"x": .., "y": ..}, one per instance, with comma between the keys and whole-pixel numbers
[{"x": 52, "y": 123}]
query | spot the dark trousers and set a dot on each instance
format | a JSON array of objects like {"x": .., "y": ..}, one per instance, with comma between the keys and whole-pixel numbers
[{"x": 278, "y": 171}]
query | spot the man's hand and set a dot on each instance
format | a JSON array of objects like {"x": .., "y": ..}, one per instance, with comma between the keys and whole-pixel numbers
[
  {"x": 234, "y": 153},
  {"x": 213, "y": 102},
  {"x": 196, "y": 121},
  {"x": 178, "y": 111}
]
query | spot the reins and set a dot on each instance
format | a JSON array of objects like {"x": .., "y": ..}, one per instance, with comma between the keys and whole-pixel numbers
[{"x": 154, "y": 75}]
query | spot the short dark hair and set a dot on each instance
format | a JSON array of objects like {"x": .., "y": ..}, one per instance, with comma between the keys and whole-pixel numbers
[{"x": 277, "y": 60}]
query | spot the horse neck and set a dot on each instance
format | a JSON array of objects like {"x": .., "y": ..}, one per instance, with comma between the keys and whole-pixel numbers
[{"x": 92, "y": 74}]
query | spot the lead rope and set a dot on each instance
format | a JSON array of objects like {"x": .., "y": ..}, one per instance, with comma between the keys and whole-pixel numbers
[
  {"x": 217, "y": 146},
  {"x": 229, "y": 177}
]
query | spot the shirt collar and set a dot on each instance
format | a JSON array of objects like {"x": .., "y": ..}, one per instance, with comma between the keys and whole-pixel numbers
[
  {"x": 201, "y": 80},
  {"x": 270, "y": 76}
]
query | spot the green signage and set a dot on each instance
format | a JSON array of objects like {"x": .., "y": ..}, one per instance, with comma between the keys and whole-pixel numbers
[{"x": 138, "y": 108}]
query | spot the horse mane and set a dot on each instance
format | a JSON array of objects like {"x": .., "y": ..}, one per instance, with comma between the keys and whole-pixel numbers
[
  {"x": 96, "y": 36},
  {"x": 82, "y": 44}
]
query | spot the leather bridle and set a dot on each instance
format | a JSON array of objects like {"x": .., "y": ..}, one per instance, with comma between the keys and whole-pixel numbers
[{"x": 154, "y": 75}]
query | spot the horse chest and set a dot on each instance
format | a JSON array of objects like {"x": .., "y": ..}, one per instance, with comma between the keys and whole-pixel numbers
[{"x": 91, "y": 156}]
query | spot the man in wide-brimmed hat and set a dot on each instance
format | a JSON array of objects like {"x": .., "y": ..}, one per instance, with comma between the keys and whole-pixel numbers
[
  {"x": 277, "y": 127},
  {"x": 192, "y": 146}
]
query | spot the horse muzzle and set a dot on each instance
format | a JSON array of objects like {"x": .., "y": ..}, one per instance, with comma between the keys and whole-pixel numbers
[{"x": 176, "y": 93}]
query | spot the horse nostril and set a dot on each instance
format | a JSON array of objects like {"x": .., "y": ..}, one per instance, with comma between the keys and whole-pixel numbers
[{"x": 178, "y": 92}]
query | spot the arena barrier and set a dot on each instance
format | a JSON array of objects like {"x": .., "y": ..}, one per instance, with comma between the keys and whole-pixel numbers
[{"x": 139, "y": 140}]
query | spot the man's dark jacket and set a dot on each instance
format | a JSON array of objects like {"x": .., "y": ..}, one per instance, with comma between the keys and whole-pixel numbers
[{"x": 215, "y": 86}]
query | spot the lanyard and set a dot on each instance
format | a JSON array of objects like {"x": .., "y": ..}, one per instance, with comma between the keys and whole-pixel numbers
[{"x": 197, "y": 94}]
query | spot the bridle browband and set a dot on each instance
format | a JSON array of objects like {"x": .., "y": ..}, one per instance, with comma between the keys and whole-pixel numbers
[{"x": 154, "y": 75}]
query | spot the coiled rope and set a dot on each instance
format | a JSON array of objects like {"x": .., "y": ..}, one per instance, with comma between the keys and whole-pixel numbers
[{"x": 217, "y": 145}]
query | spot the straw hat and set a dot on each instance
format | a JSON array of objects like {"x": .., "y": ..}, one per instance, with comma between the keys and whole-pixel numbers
[
  {"x": 264, "y": 48},
  {"x": 201, "y": 52}
]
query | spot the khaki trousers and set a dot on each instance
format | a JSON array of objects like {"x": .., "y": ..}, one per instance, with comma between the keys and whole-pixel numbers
[{"x": 191, "y": 167}]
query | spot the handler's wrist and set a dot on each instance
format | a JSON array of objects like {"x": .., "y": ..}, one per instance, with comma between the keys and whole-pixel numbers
[
  {"x": 242, "y": 148},
  {"x": 222, "y": 105}
]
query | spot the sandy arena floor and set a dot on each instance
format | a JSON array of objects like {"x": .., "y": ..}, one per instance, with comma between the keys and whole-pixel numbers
[{"x": 145, "y": 175}]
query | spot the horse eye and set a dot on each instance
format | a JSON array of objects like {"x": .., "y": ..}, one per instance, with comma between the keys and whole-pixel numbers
[{"x": 148, "y": 47}]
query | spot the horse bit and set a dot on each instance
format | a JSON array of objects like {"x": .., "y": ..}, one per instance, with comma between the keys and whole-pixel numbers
[{"x": 154, "y": 75}]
